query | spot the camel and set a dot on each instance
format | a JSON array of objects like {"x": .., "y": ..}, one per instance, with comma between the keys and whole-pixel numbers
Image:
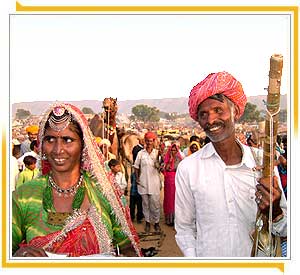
[
  {"x": 104, "y": 125},
  {"x": 122, "y": 141}
]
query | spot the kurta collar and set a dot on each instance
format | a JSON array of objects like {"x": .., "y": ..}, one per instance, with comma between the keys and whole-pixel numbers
[{"x": 209, "y": 150}]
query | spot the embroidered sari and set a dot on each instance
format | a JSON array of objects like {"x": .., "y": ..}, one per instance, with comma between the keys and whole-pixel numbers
[{"x": 96, "y": 231}]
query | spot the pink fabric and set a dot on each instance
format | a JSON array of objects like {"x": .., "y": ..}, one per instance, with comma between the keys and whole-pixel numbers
[
  {"x": 167, "y": 157},
  {"x": 217, "y": 83},
  {"x": 169, "y": 192}
]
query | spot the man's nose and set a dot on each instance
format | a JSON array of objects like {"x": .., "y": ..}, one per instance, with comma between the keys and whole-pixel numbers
[{"x": 211, "y": 117}]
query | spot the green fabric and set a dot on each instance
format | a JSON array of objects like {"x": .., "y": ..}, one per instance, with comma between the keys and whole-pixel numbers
[
  {"x": 29, "y": 218},
  {"x": 26, "y": 175}
]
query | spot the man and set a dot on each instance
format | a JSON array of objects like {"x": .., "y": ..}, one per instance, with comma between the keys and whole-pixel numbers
[
  {"x": 32, "y": 132},
  {"x": 148, "y": 180},
  {"x": 217, "y": 194},
  {"x": 135, "y": 197}
]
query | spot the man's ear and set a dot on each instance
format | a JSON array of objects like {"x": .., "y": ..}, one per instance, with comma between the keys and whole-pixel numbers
[{"x": 236, "y": 112}]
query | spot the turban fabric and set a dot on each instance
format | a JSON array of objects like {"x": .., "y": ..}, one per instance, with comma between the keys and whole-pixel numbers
[
  {"x": 33, "y": 129},
  {"x": 217, "y": 83},
  {"x": 150, "y": 135}
]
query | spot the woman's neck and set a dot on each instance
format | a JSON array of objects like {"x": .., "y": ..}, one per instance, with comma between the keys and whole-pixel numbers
[{"x": 66, "y": 180}]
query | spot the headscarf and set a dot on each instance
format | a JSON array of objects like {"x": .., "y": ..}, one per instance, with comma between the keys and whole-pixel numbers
[
  {"x": 168, "y": 156},
  {"x": 217, "y": 83},
  {"x": 93, "y": 163},
  {"x": 196, "y": 143},
  {"x": 33, "y": 129},
  {"x": 150, "y": 135}
]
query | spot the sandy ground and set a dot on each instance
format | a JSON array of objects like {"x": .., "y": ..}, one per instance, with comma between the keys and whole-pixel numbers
[{"x": 164, "y": 243}]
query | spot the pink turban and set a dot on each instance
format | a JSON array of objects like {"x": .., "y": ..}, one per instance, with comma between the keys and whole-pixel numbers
[
  {"x": 217, "y": 83},
  {"x": 150, "y": 135}
]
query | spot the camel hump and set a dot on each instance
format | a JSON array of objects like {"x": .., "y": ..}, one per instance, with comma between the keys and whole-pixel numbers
[{"x": 96, "y": 125}]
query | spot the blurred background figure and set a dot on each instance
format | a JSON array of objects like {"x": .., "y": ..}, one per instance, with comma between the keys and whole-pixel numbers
[
  {"x": 32, "y": 132},
  {"x": 171, "y": 161},
  {"x": 135, "y": 204},
  {"x": 193, "y": 147},
  {"x": 116, "y": 169},
  {"x": 149, "y": 182}
]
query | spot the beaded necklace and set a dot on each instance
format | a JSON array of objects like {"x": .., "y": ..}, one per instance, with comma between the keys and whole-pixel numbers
[{"x": 58, "y": 218}]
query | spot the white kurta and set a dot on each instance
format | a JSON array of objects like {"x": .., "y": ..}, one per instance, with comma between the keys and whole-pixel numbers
[
  {"x": 215, "y": 207},
  {"x": 149, "y": 175},
  {"x": 121, "y": 180}
]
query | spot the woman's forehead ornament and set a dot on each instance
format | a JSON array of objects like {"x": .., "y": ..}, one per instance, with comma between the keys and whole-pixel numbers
[{"x": 59, "y": 118}]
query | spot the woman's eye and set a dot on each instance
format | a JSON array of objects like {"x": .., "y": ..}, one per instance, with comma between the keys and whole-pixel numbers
[
  {"x": 49, "y": 139},
  {"x": 67, "y": 139}
]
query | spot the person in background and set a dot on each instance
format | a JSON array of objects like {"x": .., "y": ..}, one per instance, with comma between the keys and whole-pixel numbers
[
  {"x": 115, "y": 168},
  {"x": 192, "y": 138},
  {"x": 135, "y": 204},
  {"x": 171, "y": 161},
  {"x": 30, "y": 171},
  {"x": 34, "y": 151},
  {"x": 14, "y": 170},
  {"x": 148, "y": 179},
  {"x": 104, "y": 147},
  {"x": 74, "y": 208},
  {"x": 32, "y": 132},
  {"x": 193, "y": 147},
  {"x": 217, "y": 192}
]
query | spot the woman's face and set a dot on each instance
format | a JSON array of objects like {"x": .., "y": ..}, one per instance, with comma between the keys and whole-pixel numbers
[
  {"x": 62, "y": 149},
  {"x": 174, "y": 150},
  {"x": 194, "y": 148}
]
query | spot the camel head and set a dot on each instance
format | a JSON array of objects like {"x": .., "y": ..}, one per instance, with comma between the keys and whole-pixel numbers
[{"x": 110, "y": 106}]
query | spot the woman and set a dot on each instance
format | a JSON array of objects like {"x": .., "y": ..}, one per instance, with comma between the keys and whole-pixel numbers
[
  {"x": 74, "y": 208},
  {"x": 194, "y": 147},
  {"x": 171, "y": 161}
]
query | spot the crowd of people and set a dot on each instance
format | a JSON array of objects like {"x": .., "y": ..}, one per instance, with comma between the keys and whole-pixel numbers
[{"x": 69, "y": 191}]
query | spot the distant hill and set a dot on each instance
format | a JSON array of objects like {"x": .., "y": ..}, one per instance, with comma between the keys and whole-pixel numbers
[{"x": 168, "y": 105}]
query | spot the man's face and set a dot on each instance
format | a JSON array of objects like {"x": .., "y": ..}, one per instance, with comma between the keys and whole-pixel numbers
[
  {"x": 217, "y": 119},
  {"x": 32, "y": 136},
  {"x": 149, "y": 142}
]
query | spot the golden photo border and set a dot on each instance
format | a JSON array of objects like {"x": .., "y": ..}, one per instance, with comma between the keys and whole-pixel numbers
[{"x": 165, "y": 263}]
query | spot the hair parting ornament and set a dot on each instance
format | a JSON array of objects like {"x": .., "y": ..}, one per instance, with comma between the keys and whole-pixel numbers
[{"x": 59, "y": 119}]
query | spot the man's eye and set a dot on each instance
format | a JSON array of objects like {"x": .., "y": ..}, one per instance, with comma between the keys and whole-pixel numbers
[
  {"x": 218, "y": 110},
  {"x": 201, "y": 114}
]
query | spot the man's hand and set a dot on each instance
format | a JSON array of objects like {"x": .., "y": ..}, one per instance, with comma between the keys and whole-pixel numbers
[{"x": 263, "y": 196}]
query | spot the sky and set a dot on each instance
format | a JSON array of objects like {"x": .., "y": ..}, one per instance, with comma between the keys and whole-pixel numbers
[{"x": 90, "y": 57}]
